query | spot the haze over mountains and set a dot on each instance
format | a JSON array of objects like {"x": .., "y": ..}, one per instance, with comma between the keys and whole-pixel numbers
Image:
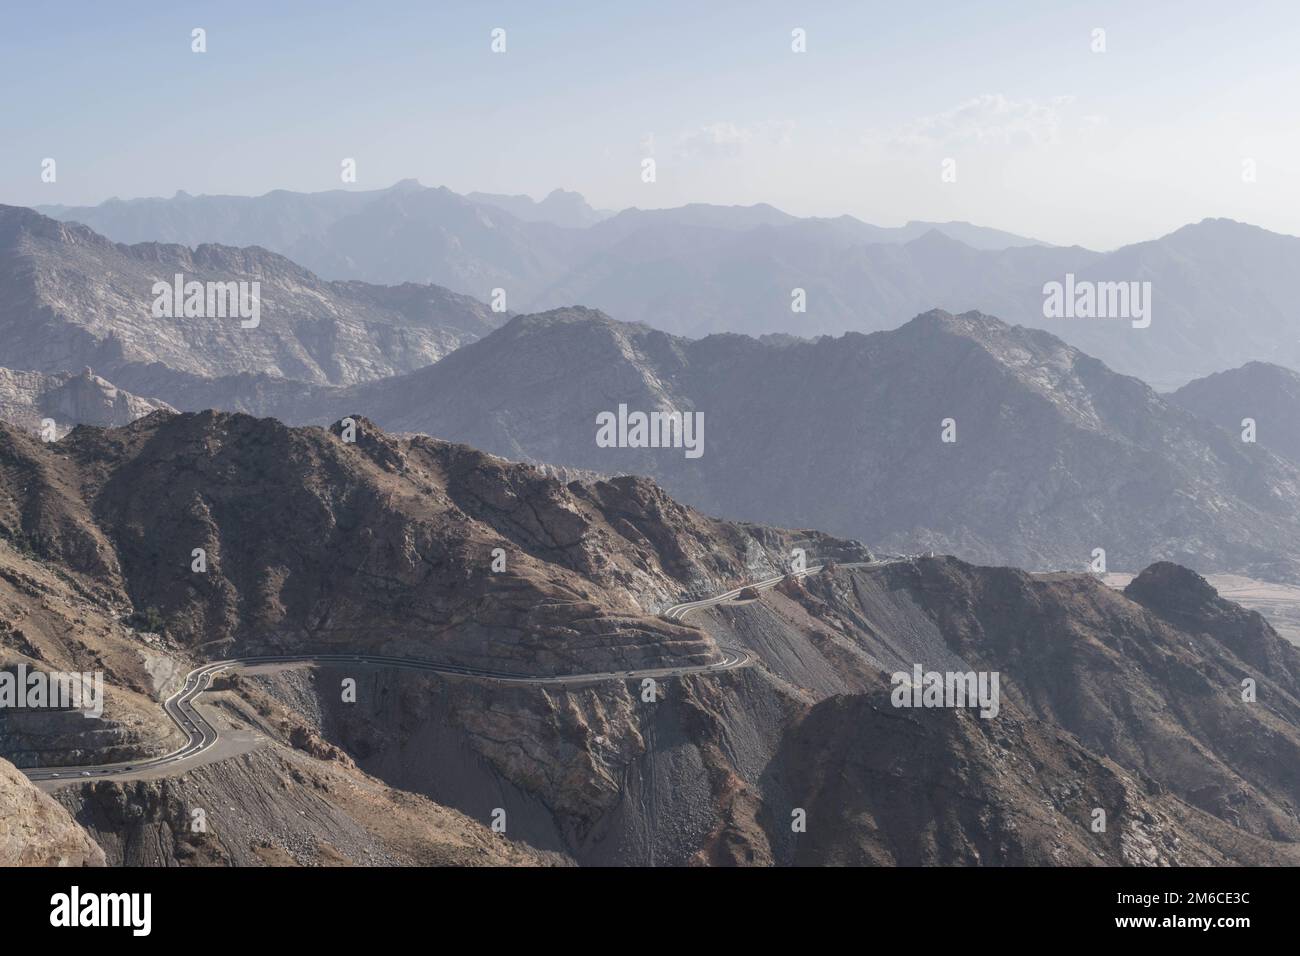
[
  {"x": 1267, "y": 394},
  {"x": 1123, "y": 701},
  {"x": 71, "y": 299},
  {"x": 1220, "y": 288},
  {"x": 28, "y": 399},
  {"x": 1055, "y": 454},
  {"x": 1130, "y": 702}
]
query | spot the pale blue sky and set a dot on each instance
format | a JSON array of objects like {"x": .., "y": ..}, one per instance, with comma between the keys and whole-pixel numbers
[{"x": 1050, "y": 139}]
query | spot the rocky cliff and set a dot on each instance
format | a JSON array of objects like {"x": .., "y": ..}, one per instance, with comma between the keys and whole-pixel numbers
[
  {"x": 37, "y": 831},
  {"x": 27, "y": 399}
]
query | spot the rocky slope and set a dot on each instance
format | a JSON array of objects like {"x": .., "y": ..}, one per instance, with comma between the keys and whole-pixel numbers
[
  {"x": 1269, "y": 394},
  {"x": 1108, "y": 700},
  {"x": 1130, "y": 703},
  {"x": 309, "y": 539},
  {"x": 37, "y": 831},
  {"x": 313, "y": 812},
  {"x": 70, "y": 299},
  {"x": 28, "y": 398},
  {"x": 1116, "y": 704},
  {"x": 1055, "y": 455}
]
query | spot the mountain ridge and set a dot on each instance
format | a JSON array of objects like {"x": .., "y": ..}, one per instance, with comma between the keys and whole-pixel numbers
[{"x": 1055, "y": 454}]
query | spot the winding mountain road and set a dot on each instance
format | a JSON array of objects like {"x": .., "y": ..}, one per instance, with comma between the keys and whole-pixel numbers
[
  {"x": 201, "y": 735},
  {"x": 679, "y": 611}
]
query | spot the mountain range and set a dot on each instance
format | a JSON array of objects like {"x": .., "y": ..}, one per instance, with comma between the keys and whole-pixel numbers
[
  {"x": 1054, "y": 455},
  {"x": 71, "y": 299},
  {"x": 1218, "y": 288},
  {"x": 1128, "y": 703},
  {"x": 354, "y": 539}
]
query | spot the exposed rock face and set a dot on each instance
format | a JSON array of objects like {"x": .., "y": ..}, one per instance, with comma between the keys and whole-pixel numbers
[
  {"x": 1130, "y": 703},
  {"x": 1267, "y": 394},
  {"x": 274, "y": 808},
  {"x": 28, "y": 398},
  {"x": 70, "y": 298},
  {"x": 1099, "y": 710},
  {"x": 37, "y": 831},
  {"x": 1054, "y": 454},
  {"x": 311, "y": 540},
  {"x": 881, "y": 785},
  {"x": 1116, "y": 701}
]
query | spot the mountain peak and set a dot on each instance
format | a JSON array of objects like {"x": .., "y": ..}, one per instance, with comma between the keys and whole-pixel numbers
[
  {"x": 935, "y": 239},
  {"x": 964, "y": 323},
  {"x": 1166, "y": 582},
  {"x": 567, "y": 315}
]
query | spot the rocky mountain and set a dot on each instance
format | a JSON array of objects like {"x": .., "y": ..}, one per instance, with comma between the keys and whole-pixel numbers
[
  {"x": 37, "y": 831},
  {"x": 1218, "y": 288},
  {"x": 275, "y": 221},
  {"x": 704, "y": 269},
  {"x": 70, "y": 299},
  {"x": 406, "y": 233},
  {"x": 1266, "y": 393},
  {"x": 257, "y": 498},
  {"x": 1129, "y": 703},
  {"x": 452, "y": 239},
  {"x": 1111, "y": 696},
  {"x": 1054, "y": 454},
  {"x": 28, "y": 398}
]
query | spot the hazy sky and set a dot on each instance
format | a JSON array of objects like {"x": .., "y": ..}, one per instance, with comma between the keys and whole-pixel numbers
[{"x": 1050, "y": 138}]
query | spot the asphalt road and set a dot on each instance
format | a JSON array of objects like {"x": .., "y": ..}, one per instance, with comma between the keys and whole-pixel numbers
[
  {"x": 201, "y": 735},
  {"x": 679, "y": 611}
]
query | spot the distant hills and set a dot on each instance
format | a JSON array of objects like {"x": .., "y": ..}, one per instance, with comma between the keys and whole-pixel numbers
[
  {"x": 71, "y": 299},
  {"x": 560, "y": 207},
  {"x": 1267, "y": 394},
  {"x": 1219, "y": 288},
  {"x": 1055, "y": 454}
]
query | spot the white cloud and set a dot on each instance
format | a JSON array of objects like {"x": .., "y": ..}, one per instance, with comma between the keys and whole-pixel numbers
[
  {"x": 989, "y": 119},
  {"x": 726, "y": 139}
]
